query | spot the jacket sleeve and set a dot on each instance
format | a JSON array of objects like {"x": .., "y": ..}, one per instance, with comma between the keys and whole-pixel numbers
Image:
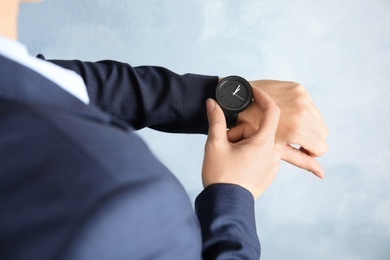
[
  {"x": 147, "y": 96},
  {"x": 227, "y": 220}
]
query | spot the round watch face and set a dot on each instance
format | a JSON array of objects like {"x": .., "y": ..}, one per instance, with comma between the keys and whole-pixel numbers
[{"x": 234, "y": 94}]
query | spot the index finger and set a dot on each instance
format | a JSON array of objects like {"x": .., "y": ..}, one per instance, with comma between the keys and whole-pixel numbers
[{"x": 271, "y": 113}]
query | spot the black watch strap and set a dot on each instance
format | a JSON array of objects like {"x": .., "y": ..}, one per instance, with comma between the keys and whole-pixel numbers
[{"x": 231, "y": 119}]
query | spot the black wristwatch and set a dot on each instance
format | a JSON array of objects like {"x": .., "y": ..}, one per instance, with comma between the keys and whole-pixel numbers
[{"x": 234, "y": 95}]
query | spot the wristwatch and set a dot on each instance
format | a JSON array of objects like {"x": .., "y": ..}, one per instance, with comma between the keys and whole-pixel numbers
[{"x": 234, "y": 95}]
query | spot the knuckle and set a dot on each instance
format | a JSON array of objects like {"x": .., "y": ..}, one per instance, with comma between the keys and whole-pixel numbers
[
  {"x": 301, "y": 101},
  {"x": 299, "y": 93},
  {"x": 293, "y": 86},
  {"x": 320, "y": 149},
  {"x": 323, "y": 132},
  {"x": 297, "y": 87},
  {"x": 326, "y": 132},
  {"x": 323, "y": 149}
]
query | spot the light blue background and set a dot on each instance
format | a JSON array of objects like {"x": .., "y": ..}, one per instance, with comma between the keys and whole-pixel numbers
[{"x": 339, "y": 50}]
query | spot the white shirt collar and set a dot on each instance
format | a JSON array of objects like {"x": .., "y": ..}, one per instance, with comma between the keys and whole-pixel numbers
[{"x": 66, "y": 79}]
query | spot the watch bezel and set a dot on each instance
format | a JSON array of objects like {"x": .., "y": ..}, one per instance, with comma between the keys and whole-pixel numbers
[{"x": 247, "y": 102}]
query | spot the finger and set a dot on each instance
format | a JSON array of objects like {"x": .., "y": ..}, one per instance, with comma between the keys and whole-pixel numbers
[
  {"x": 217, "y": 121},
  {"x": 306, "y": 131},
  {"x": 301, "y": 159},
  {"x": 308, "y": 102},
  {"x": 271, "y": 112},
  {"x": 311, "y": 141},
  {"x": 309, "y": 106},
  {"x": 306, "y": 151},
  {"x": 318, "y": 126},
  {"x": 310, "y": 121},
  {"x": 240, "y": 132},
  {"x": 317, "y": 113}
]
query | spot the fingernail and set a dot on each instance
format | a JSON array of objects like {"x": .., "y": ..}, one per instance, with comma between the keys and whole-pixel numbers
[
  {"x": 319, "y": 174},
  {"x": 210, "y": 103}
]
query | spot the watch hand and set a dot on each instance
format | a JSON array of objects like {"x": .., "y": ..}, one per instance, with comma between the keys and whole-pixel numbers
[
  {"x": 238, "y": 97},
  {"x": 237, "y": 89}
]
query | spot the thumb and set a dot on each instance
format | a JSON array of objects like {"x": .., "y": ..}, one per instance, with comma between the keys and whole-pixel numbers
[{"x": 217, "y": 121}]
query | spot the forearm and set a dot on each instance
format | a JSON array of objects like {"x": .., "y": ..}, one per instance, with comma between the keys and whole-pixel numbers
[
  {"x": 147, "y": 96},
  {"x": 227, "y": 220}
]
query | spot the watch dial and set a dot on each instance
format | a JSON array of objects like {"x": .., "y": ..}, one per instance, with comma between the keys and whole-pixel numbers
[{"x": 234, "y": 94}]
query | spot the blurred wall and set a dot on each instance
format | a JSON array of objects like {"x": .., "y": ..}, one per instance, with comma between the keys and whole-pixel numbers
[{"x": 339, "y": 50}]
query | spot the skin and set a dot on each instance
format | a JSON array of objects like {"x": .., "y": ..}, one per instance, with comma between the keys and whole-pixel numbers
[
  {"x": 8, "y": 18},
  {"x": 9, "y": 10},
  {"x": 301, "y": 124},
  {"x": 251, "y": 163}
]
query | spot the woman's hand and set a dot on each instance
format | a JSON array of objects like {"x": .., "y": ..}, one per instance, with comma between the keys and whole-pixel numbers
[
  {"x": 253, "y": 161},
  {"x": 300, "y": 124}
]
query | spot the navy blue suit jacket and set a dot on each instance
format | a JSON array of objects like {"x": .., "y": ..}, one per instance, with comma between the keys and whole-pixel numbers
[{"x": 77, "y": 183}]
